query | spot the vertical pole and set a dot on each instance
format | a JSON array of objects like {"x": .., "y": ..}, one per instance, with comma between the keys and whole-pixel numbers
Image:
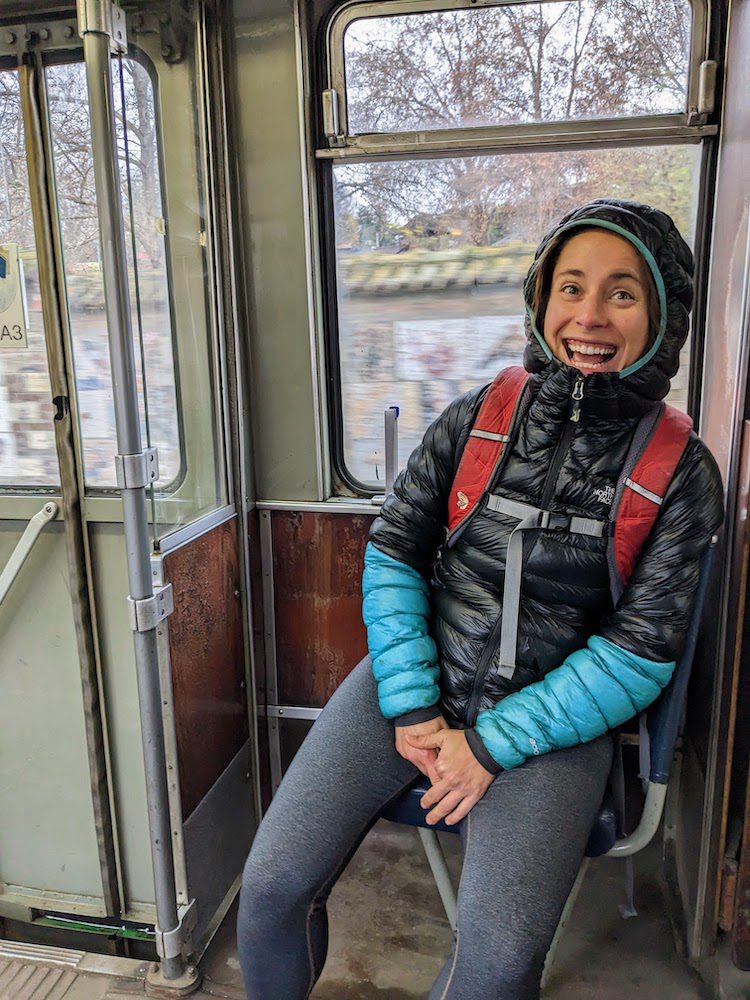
[
  {"x": 94, "y": 19},
  {"x": 391, "y": 447}
]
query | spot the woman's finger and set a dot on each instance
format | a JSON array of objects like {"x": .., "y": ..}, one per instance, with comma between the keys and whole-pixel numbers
[
  {"x": 446, "y": 805},
  {"x": 438, "y": 791},
  {"x": 463, "y": 810}
]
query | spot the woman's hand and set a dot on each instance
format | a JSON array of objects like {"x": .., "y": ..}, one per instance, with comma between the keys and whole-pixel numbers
[
  {"x": 422, "y": 757},
  {"x": 461, "y": 779}
]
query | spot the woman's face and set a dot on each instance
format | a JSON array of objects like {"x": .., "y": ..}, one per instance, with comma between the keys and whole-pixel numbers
[{"x": 597, "y": 314}]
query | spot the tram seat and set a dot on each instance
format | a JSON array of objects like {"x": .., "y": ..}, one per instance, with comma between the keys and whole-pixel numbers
[{"x": 659, "y": 730}]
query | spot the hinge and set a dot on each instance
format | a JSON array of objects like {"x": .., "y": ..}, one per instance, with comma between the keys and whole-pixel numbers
[
  {"x": 156, "y": 560},
  {"x": 707, "y": 87},
  {"x": 145, "y": 613},
  {"x": 103, "y": 18},
  {"x": 137, "y": 471},
  {"x": 706, "y": 105},
  {"x": 331, "y": 126}
]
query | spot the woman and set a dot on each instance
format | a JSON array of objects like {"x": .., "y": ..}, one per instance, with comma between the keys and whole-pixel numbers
[{"x": 522, "y": 751}]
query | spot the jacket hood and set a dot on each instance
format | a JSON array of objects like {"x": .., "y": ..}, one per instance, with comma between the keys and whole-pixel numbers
[{"x": 670, "y": 261}]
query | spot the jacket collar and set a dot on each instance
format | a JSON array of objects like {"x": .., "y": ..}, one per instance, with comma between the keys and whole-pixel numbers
[{"x": 605, "y": 395}]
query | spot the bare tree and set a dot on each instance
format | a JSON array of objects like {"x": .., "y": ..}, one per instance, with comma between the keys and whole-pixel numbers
[{"x": 495, "y": 65}]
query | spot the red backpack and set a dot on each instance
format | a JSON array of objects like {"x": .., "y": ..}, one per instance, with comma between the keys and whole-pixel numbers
[{"x": 658, "y": 444}]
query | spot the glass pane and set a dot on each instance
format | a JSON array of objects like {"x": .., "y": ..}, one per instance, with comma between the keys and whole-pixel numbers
[
  {"x": 171, "y": 273},
  {"x": 519, "y": 63},
  {"x": 27, "y": 439},
  {"x": 431, "y": 256},
  {"x": 74, "y": 172}
]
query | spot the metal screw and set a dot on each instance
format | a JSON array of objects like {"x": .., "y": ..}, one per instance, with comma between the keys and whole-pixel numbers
[
  {"x": 10, "y": 38},
  {"x": 167, "y": 51},
  {"x": 44, "y": 34},
  {"x": 69, "y": 31}
]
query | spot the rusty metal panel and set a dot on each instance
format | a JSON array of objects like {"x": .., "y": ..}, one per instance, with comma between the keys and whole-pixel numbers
[
  {"x": 320, "y": 637},
  {"x": 256, "y": 605},
  {"x": 205, "y": 644}
]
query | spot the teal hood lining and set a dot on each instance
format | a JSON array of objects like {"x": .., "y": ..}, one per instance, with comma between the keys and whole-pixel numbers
[{"x": 644, "y": 251}]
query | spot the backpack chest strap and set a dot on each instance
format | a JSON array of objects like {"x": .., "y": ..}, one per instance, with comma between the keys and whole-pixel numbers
[{"x": 528, "y": 516}]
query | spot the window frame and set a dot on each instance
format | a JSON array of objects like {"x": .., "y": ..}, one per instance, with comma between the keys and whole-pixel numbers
[
  {"x": 688, "y": 127},
  {"x": 479, "y": 137}
]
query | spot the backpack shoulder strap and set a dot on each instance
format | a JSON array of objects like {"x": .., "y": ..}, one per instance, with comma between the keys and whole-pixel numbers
[
  {"x": 658, "y": 444},
  {"x": 485, "y": 444}
]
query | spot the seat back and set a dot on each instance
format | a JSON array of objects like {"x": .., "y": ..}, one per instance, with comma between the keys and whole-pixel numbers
[{"x": 665, "y": 715}]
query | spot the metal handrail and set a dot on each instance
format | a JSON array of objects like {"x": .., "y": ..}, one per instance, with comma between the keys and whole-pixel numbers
[{"x": 25, "y": 545}]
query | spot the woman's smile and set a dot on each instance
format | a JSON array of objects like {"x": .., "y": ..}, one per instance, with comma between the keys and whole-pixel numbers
[
  {"x": 597, "y": 317},
  {"x": 587, "y": 355}
]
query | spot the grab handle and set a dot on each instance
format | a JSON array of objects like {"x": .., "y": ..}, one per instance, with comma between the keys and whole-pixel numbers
[
  {"x": 391, "y": 415},
  {"x": 25, "y": 544}
]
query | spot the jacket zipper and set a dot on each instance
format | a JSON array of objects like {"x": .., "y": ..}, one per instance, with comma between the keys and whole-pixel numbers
[
  {"x": 548, "y": 490},
  {"x": 563, "y": 444}
]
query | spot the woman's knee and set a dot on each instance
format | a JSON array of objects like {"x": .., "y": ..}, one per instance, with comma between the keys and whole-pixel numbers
[
  {"x": 271, "y": 887},
  {"x": 510, "y": 970}
]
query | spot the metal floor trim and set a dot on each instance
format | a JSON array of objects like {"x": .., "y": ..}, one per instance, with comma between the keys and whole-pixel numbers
[
  {"x": 81, "y": 961},
  {"x": 40, "y": 953},
  {"x": 27, "y": 981}
]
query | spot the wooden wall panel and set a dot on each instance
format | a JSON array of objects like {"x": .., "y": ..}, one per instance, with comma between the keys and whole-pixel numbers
[
  {"x": 205, "y": 643},
  {"x": 318, "y": 584}
]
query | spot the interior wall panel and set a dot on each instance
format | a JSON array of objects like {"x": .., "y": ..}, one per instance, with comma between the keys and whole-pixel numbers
[
  {"x": 320, "y": 636},
  {"x": 205, "y": 644}
]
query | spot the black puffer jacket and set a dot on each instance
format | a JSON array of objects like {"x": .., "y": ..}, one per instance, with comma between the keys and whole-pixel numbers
[{"x": 564, "y": 467}]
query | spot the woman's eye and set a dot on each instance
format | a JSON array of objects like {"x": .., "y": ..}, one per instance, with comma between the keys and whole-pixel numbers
[
  {"x": 622, "y": 295},
  {"x": 569, "y": 289}
]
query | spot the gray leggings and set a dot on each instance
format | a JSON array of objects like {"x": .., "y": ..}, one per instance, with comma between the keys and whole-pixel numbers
[{"x": 522, "y": 846}]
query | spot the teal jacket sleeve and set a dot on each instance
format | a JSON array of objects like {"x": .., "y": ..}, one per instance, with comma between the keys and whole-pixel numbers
[
  {"x": 595, "y": 689},
  {"x": 404, "y": 541},
  {"x": 396, "y": 611}
]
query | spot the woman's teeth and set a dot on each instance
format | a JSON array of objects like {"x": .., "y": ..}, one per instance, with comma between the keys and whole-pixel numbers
[{"x": 577, "y": 350}]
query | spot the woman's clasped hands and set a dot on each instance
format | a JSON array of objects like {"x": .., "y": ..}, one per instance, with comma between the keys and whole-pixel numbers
[{"x": 458, "y": 779}]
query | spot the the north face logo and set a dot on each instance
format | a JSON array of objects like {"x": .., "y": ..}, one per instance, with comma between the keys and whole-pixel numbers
[{"x": 605, "y": 495}]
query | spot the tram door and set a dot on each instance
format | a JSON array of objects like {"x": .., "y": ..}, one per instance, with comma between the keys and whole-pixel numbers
[{"x": 74, "y": 836}]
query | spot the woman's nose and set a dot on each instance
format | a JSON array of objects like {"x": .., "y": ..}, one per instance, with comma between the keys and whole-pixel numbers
[{"x": 591, "y": 313}]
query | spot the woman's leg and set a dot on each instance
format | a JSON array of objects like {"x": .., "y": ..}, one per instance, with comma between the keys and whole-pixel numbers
[
  {"x": 523, "y": 845},
  {"x": 342, "y": 776}
]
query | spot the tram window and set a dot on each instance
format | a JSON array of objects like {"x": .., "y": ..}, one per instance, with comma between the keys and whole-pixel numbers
[
  {"x": 430, "y": 258},
  {"x": 144, "y": 225},
  {"x": 27, "y": 442},
  {"x": 516, "y": 63}
]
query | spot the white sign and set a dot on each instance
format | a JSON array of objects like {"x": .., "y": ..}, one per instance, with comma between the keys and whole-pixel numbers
[
  {"x": 14, "y": 322},
  {"x": 473, "y": 349}
]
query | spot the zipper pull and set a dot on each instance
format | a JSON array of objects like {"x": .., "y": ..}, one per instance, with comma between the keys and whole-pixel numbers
[{"x": 575, "y": 415}]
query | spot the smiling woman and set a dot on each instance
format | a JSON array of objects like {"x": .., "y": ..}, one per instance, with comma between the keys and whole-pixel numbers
[
  {"x": 597, "y": 312},
  {"x": 498, "y": 669}
]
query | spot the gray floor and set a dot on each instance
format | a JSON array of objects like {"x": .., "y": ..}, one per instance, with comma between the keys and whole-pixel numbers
[{"x": 389, "y": 937}]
